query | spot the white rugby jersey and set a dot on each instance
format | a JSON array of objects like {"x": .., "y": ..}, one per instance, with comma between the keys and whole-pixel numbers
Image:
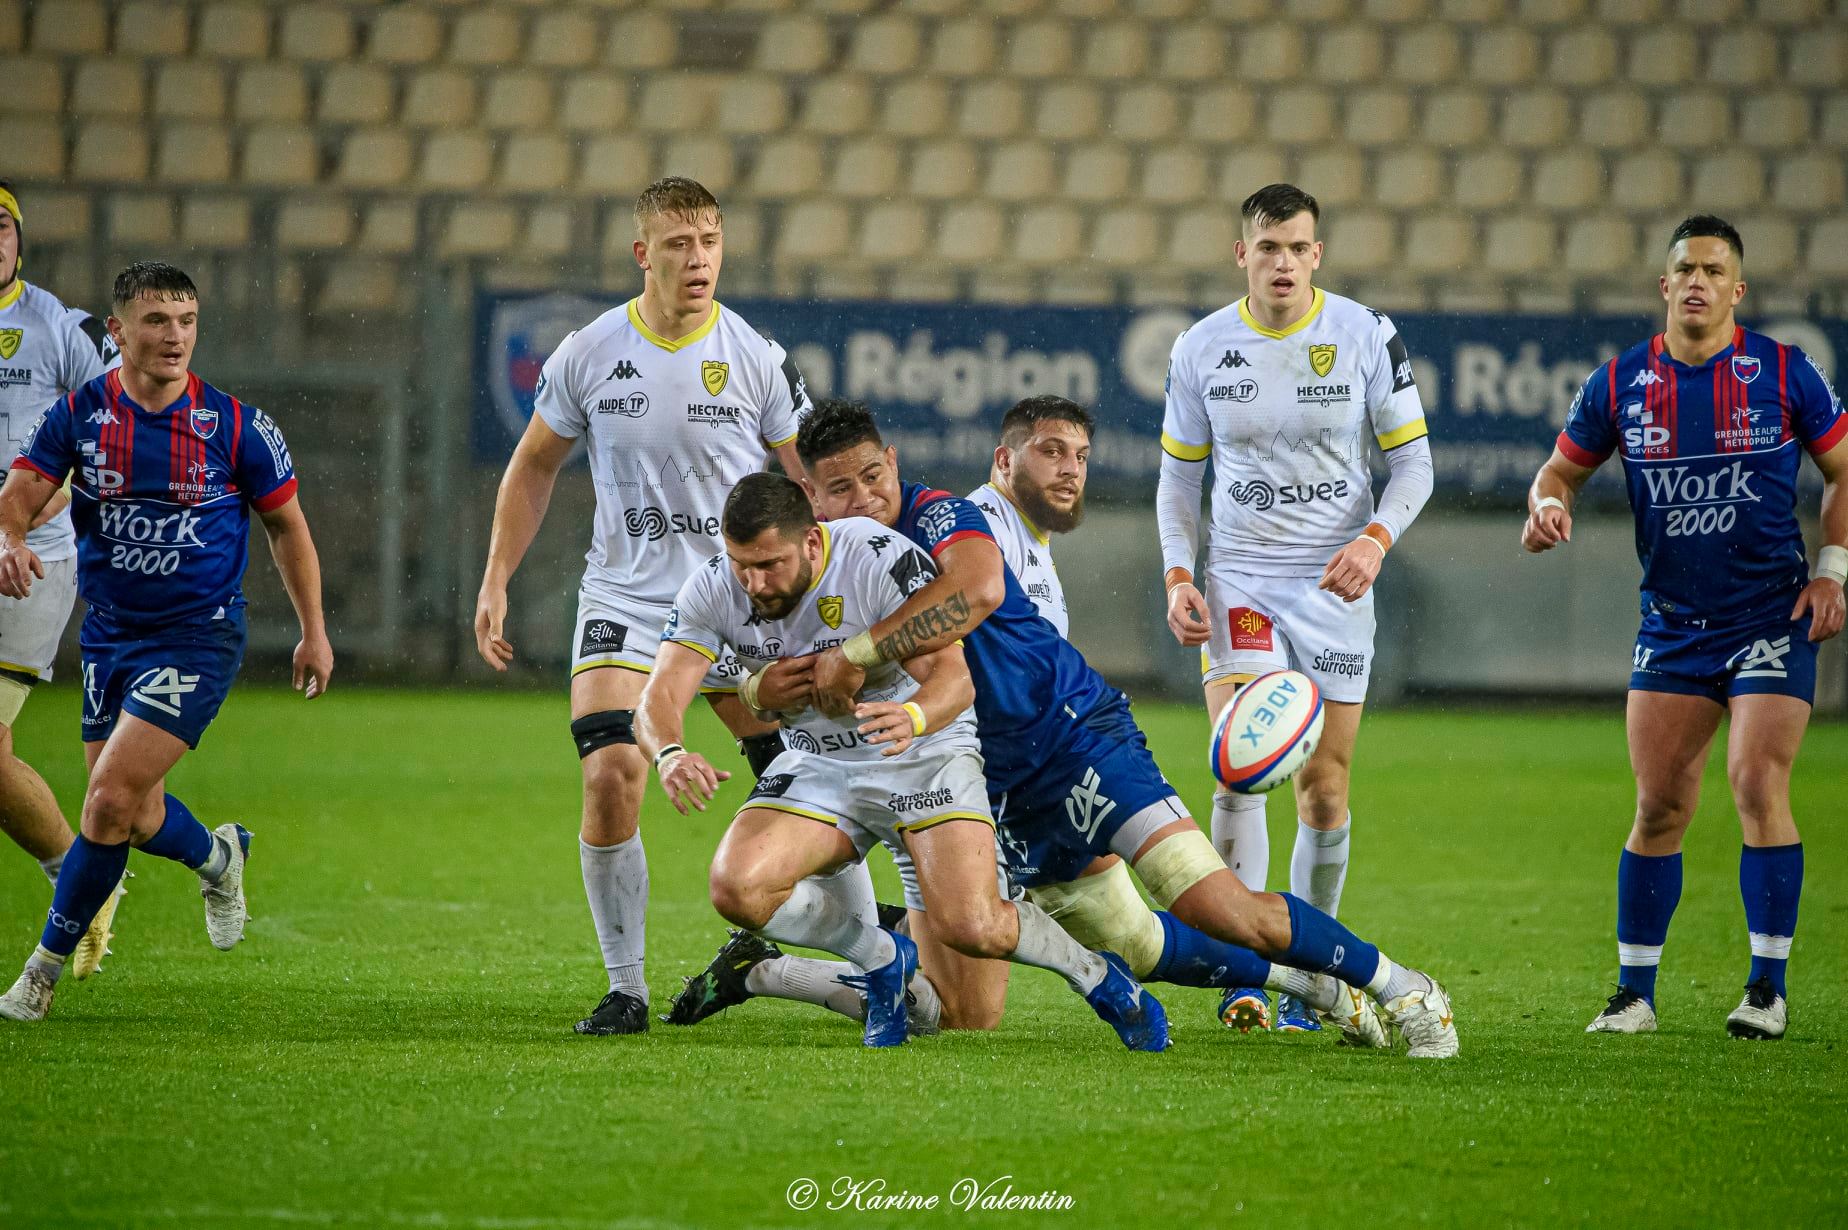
[
  {"x": 866, "y": 572},
  {"x": 46, "y": 351},
  {"x": 672, "y": 426},
  {"x": 1287, "y": 416},
  {"x": 1027, "y": 551}
]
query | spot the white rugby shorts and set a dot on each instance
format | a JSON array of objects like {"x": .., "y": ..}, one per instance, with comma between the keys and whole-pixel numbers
[
  {"x": 610, "y": 632},
  {"x": 1282, "y": 623},
  {"x": 878, "y": 802},
  {"x": 31, "y": 627}
]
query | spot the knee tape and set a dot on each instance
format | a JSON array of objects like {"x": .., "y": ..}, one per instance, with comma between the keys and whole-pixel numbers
[
  {"x": 1105, "y": 913},
  {"x": 760, "y": 750},
  {"x": 13, "y": 693},
  {"x": 596, "y": 730},
  {"x": 1177, "y": 864}
]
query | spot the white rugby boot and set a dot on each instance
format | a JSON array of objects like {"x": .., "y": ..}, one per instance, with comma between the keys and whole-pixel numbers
[
  {"x": 225, "y": 911},
  {"x": 1351, "y": 1011},
  {"x": 29, "y": 998},
  {"x": 1626, "y": 1013},
  {"x": 1423, "y": 1016},
  {"x": 1761, "y": 1015}
]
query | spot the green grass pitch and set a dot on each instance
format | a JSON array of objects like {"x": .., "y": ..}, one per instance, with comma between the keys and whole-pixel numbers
[{"x": 391, "y": 1045}]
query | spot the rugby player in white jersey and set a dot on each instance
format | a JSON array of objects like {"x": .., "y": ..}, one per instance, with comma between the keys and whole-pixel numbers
[
  {"x": 678, "y": 398},
  {"x": 1286, "y": 391},
  {"x": 902, "y": 767},
  {"x": 1035, "y": 489},
  {"x": 46, "y": 351}
]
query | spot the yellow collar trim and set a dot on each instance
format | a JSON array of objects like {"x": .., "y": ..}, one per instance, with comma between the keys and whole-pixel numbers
[
  {"x": 1251, "y": 322},
  {"x": 11, "y": 295},
  {"x": 1025, "y": 520},
  {"x": 827, "y": 557},
  {"x": 641, "y": 327}
]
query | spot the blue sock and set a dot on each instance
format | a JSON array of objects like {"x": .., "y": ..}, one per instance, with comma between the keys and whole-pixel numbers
[
  {"x": 181, "y": 838},
  {"x": 1191, "y": 958},
  {"x": 1318, "y": 942},
  {"x": 1771, "y": 880},
  {"x": 1648, "y": 890},
  {"x": 90, "y": 873}
]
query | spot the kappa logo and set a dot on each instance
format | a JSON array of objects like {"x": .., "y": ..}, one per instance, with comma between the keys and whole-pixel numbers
[
  {"x": 624, "y": 370},
  {"x": 1644, "y": 379},
  {"x": 1763, "y": 659},
  {"x": 713, "y": 374},
  {"x": 1234, "y": 359},
  {"x": 831, "y": 607},
  {"x": 10, "y": 340},
  {"x": 1086, "y": 807},
  {"x": 879, "y": 542},
  {"x": 1746, "y": 368},
  {"x": 1322, "y": 358},
  {"x": 163, "y": 688},
  {"x": 105, "y": 415}
]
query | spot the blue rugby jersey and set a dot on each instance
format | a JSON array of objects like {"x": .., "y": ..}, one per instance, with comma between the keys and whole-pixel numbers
[
  {"x": 161, "y": 499},
  {"x": 1710, "y": 455},
  {"x": 1032, "y": 686}
]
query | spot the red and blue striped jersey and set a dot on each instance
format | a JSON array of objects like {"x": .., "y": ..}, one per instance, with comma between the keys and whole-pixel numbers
[
  {"x": 161, "y": 499},
  {"x": 1710, "y": 456},
  {"x": 1032, "y": 686}
]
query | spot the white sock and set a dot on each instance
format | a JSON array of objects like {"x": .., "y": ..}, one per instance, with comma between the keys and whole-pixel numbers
[
  {"x": 47, "y": 962},
  {"x": 616, "y": 882},
  {"x": 811, "y": 980},
  {"x": 852, "y": 889},
  {"x": 212, "y": 870},
  {"x": 1292, "y": 981},
  {"x": 811, "y": 918},
  {"x": 52, "y": 866},
  {"x": 1241, "y": 838},
  {"x": 1045, "y": 944},
  {"x": 807, "y": 980},
  {"x": 1318, "y": 865},
  {"x": 1391, "y": 981}
]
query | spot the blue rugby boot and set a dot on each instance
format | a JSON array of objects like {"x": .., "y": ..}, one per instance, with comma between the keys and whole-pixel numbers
[
  {"x": 1127, "y": 1007},
  {"x": 887, "y": 1017},
  {"x": 1296, "y": 1017},
  {"x": 1244, "y": 1009}
]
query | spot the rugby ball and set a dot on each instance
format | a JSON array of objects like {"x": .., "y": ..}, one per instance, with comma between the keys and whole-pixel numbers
[{"x": 1266, "y": 732}]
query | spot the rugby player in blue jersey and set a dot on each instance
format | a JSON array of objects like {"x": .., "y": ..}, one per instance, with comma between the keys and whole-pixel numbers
[
  {"x": 1712, "y": 421},
  {"x": 164, "y": 471},
  {"x": 1070, "y": 777}
]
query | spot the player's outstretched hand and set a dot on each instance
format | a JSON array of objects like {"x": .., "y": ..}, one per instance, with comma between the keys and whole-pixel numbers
[
  {"x": 1187, "y": 617},
  {"x": 1823, "y": 599},
  {"x": 1546, "y": 529},
  {"x": 787, "y": 685},
  {"x": 314, "y": 666},
  {"x": 687, "y": 778},
  {"x": 18, "y": 565},
  {"x": 887, "y": 723},
  {"x": 836, "y": 682},
  {"x": 1352, "y": 572},
  {"x": 490, "y": 619}
]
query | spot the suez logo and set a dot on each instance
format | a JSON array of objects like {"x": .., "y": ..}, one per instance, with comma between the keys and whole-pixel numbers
[
  {"x": 654, "y": 524},
  {"x": 820, "y": 743},
  {"x": 1262, "y": 495}
]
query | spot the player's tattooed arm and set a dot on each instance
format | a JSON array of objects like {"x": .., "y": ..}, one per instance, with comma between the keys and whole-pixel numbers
[
  {"x": 944, "y": 691},
  {"x": 970, "y": 583},
  {"x": 947, "y": 619}
]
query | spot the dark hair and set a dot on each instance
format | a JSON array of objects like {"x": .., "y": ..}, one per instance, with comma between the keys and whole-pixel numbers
[
  {"x": 1708, "y": 226},
  {"x": 764, "y": 501},
  {"x": 1017, "y": 424},
  {"x": 1276, "y": 203},
  {"x": 678, "y": 195},
  {"x": 154, "y": 279},
  {"x": 835, "y": 426}
]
